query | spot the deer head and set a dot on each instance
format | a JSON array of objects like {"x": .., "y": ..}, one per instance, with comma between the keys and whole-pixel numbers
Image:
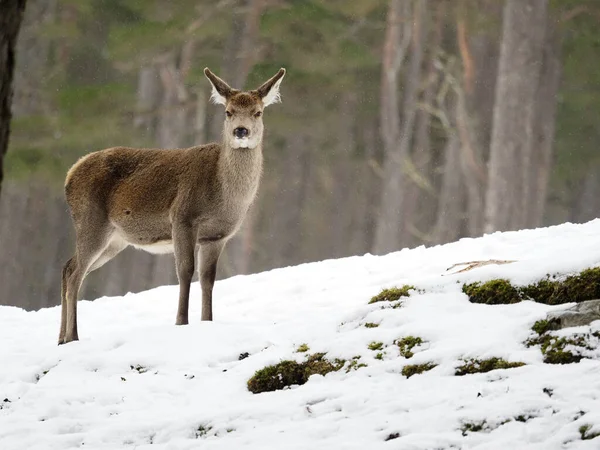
[{"x": 243, "y": 126}]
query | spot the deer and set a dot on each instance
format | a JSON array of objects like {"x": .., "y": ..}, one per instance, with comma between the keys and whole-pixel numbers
[{"x": 179, "y": 201}]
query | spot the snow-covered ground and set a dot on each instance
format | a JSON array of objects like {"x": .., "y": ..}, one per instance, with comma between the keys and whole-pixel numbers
[{"x": 192, "y": 390}]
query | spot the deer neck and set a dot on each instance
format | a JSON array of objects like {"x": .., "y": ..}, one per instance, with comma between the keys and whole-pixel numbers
[{"x": 241, "y": 169}]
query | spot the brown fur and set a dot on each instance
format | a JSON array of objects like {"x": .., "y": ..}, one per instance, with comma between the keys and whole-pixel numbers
[{"x": 159, "y": 200}]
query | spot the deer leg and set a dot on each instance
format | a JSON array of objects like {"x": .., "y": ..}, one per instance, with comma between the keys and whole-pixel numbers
[
  {"x": 184, "y": 244},
  {"x": 66, "y": 273},
  {"x": 91, "y": 244},
  {"x": 209, "y": 257}
]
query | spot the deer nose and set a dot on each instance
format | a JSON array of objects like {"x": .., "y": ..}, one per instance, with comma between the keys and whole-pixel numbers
[{"x": 241, "y": 132}]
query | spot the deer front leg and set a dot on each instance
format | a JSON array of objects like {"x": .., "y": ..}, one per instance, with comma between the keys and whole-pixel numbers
[
  {"x": 184, "y": 245},
  {"x": 209, "y": 257}
]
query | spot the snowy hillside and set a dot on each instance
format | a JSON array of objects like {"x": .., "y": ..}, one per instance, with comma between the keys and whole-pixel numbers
[{"x": 137, "y": 381}]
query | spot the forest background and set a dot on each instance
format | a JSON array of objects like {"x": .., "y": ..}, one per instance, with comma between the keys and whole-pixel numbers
[{"x": 403, "y": 122}]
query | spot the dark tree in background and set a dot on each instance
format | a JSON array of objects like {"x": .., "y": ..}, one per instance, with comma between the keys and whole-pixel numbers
[{"x": 11, "y": 14}]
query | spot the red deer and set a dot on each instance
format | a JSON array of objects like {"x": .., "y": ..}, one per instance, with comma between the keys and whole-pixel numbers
[{"x": 168, "y": 200}]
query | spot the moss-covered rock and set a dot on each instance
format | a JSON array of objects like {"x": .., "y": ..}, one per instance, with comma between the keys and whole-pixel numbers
[
  {"x": 414, "y": 369},
  {"x": 494, "y": 292},
  {"x": 485, "y": 365},
  {"x": 406, "y": 345},
  {"x": 289, "y": 373},
  {"x": 392, "y": 294},
  {"x": 371, "y": 325}
]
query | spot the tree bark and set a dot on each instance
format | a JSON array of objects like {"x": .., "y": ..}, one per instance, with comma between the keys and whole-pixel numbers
[
  {"x": 11, "y": 15},
  {"x": 450, "y": 209},
  {"x": 33, "y": 48},
  {"x": 545, "y": 123},
  {"x": 148, "y": 99},
  {"x": 508, "y": 193},
  {"x": 397, "y": 140},
  {"x": 479, "y": 51}
]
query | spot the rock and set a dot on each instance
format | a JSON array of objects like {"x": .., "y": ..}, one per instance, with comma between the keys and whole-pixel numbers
[{"x": 582, "y": 313}]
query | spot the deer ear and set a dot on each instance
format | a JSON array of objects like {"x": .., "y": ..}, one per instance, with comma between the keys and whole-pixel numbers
[
  {"x": 220, "y": 90},
  {"x": 269, "y": 91}
]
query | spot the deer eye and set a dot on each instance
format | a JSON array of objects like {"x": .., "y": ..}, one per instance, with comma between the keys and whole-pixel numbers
[
  {"x": 228, "y": 113},
  {"x": 258, "y": 114}
]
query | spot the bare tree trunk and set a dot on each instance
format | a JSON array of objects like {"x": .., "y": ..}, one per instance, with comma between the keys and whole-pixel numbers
[
  {"x": 33, "y": 50},
  {"x": 421, "y": 200},
  {"x": 11, "y": 14},
  {"x": 343, "y": 184},
  {"x": 148, "y": 99},
  {"x": 397, "y": 140},
  {"x": 479, "y": 56},
  {"x": 451, "y": 201},
  {"x": 364, "y": 207},
  {"x": 172, "y": 125},
  {"x": 545, "y": 123},
  {"x": 508, "y": 195}
]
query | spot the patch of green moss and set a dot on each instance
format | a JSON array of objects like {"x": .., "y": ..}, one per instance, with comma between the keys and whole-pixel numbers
[
  {"x": 584, "y": 430},
  {"x": 288, "y": 373},
  {"x": 414, "y": 369},
  {"x": 275, "y": 377},
  {"x": 494, "y": 292},
  {"x": 392, "y": 294},
  {"x": 575, "y": 288},
  {"x": 375, "y": 346},
  {"x": 406, "y": 344},
  {"x": 485, "y": 365},
  {"x": 379, "y": 356},
  {"x": 543, "y": 326},
  {"x": 371, "y": 325},
  {"x": 473, "y": 427},
  {"x": 318, "y": 364},
  {"x": 524, "y": 418},
  {"x": 354, "y": 364},
  {"x": 579, "y": 288},
  {"x": 302, "y": 348},
  {"x": 553, "y": 348},
  {"x": 544, "y": 291}
]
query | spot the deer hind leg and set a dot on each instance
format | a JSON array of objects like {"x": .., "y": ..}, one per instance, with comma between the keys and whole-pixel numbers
[
  {"x": 184, "y": 245},
  {"x": 66, "y": 273},
  {"x": 92, "y": 243},
  {"x": 209, "y": 257}
]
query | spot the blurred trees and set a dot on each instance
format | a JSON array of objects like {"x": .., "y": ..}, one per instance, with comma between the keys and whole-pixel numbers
[
  {"x": 11, "y": 15},
  {"x": 403, "y": 122}
]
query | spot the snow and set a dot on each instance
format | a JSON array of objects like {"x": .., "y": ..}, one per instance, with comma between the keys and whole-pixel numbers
[{"x": 192, "y": 390}]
